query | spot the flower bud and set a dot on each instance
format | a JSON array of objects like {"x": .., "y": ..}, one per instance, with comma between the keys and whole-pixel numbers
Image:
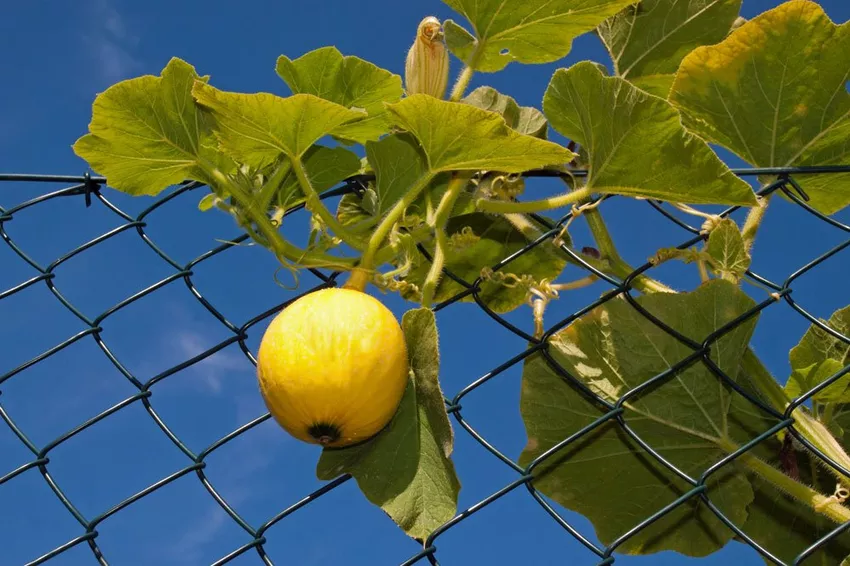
[{"x": 427, "y": 68}]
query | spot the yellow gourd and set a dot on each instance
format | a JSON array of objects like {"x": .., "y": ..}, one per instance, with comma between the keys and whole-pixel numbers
[{"x": 332, "y": 367}]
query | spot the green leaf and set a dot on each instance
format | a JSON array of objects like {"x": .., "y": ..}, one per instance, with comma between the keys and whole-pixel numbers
[
  {"x": 398, "y": 163},
  {"x": 774, "y": 93},
  {"x": 258, "y": 128},
  {"x": 478, "y": 241},
  {"x": 525, "y": 32},
  {"x": 524, "y": 119},
  {"x": 458, "y": 136},
  {"x": 657, "y": 85},
  {"x": 146, "y": 133},
  {"x": 325, "y": 167},
  {"x": 652, "y": 37},
  {"x": 636, "y": 143},
  {"x": 207, "y": 202},
  {"x": 727, "y": 250},
  {"x": 686, "y": 419},
  {"x": 406, "y": 469},
  {"x": 818, "y": 356},
  {"x": 349, "y": 81}
]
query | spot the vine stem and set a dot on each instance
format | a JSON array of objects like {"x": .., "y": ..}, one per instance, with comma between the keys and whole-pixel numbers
[
  {"x": 441, "y": 218},
  {"x": 503, "y": 206},
  {"x": 617, "y": 265},
  {"x": 465, "y": 76},
  {"x": 808, "y": 426},
  {"x": 462, "y": 83},
  {"x": 361, "y": 274},
  {"x": 753, "y": 222},
  {"x": 799, "y": 491},
  {"x": 315, "y": 204},
  {"x": 280, "y": 247}
]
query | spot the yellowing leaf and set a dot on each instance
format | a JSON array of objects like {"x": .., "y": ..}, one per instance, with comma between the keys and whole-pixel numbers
[
  {"x": 349, "y": 81},
  {"x": 652, "y": 37},
  {"x": 526, "y": 32},
  {"x": 458, "y": 136},
  {"x": 258, "y": 128},
  {"x": 146, "y": 133},
  {"x": 775, "y": 93},
  {"x": 636, "y": 142}
]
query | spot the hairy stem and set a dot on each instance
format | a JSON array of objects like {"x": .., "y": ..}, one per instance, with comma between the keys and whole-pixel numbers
[
  {"x": 502, "y": 206},
  {"x": 753, "y": 221},
  {"x": 810, "y": 428},
  {"x": 801, "y": 492},
  {"x": 617, "y": 265},
  {"x": 361, "y": 274},
  {"x": 315, "y": 205},
  {"x": 462, "y": 83},
  {"x": 281, "y": 248},
  {"x": 441, "y": 218}
]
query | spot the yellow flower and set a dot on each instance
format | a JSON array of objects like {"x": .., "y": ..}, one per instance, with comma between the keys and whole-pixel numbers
[{"x": 427, "y": 68}]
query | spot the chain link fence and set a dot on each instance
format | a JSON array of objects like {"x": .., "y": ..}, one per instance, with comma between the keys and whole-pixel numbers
[{"x": 95, "y": 193}]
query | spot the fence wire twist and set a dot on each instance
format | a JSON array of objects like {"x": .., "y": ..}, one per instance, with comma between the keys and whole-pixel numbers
[{"x": 91, "y": 189}]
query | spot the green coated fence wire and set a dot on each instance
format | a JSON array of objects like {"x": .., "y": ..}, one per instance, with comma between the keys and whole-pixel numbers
[{"x": 94, "y": 189}]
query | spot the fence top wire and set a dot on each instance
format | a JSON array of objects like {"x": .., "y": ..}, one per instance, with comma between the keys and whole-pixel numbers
[{"x": 91, "y": 189}]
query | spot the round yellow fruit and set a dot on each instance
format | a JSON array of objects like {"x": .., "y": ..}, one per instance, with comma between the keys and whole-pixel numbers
[{"x": 333, "y": 367}]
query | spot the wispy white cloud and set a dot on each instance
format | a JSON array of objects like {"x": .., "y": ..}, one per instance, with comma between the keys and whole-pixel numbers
[
  {"x": 188, "y": 549},
  {"x": 213, "y": 370},
  {"x": 237, "y": 484},
  {"x": 109, "y": 42}
]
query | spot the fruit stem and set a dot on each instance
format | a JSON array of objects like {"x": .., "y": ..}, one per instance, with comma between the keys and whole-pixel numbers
[
  {"x": 441, "y": 219},
  {"x": 362, "y": 273},
  {"x": 281, "y": 248},
  {"x": 502, "y": 206},
  {"x": 315, "y": 205}
]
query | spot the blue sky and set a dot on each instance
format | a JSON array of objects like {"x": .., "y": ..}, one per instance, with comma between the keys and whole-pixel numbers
[{"x": 56, "y": 58}]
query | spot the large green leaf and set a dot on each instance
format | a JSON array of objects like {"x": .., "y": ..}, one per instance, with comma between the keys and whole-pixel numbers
[
  {"x": 818, "y": 356},
  {"x": 688, "y": 419},
  {"x": 406, "y": 469},
  {"x": 325, "y": 167},
  {"x": 524, "y": 119},
  {"x": 526, "y": 32},
  {"x": 459, "y": 136},
  {"x": 146, "y": 133},
  {"x": 648, "y": 40},
  {"x": 478, "y": 241},
  {"x": 636, "y": 143},
  {"x": 349, "y": 81},
  {"x": 774, "y": 92},
  {"x": 258, "y": 128}
]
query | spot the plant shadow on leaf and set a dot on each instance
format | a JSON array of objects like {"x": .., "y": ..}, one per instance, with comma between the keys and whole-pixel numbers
[{"x": 690, "y": 418}]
